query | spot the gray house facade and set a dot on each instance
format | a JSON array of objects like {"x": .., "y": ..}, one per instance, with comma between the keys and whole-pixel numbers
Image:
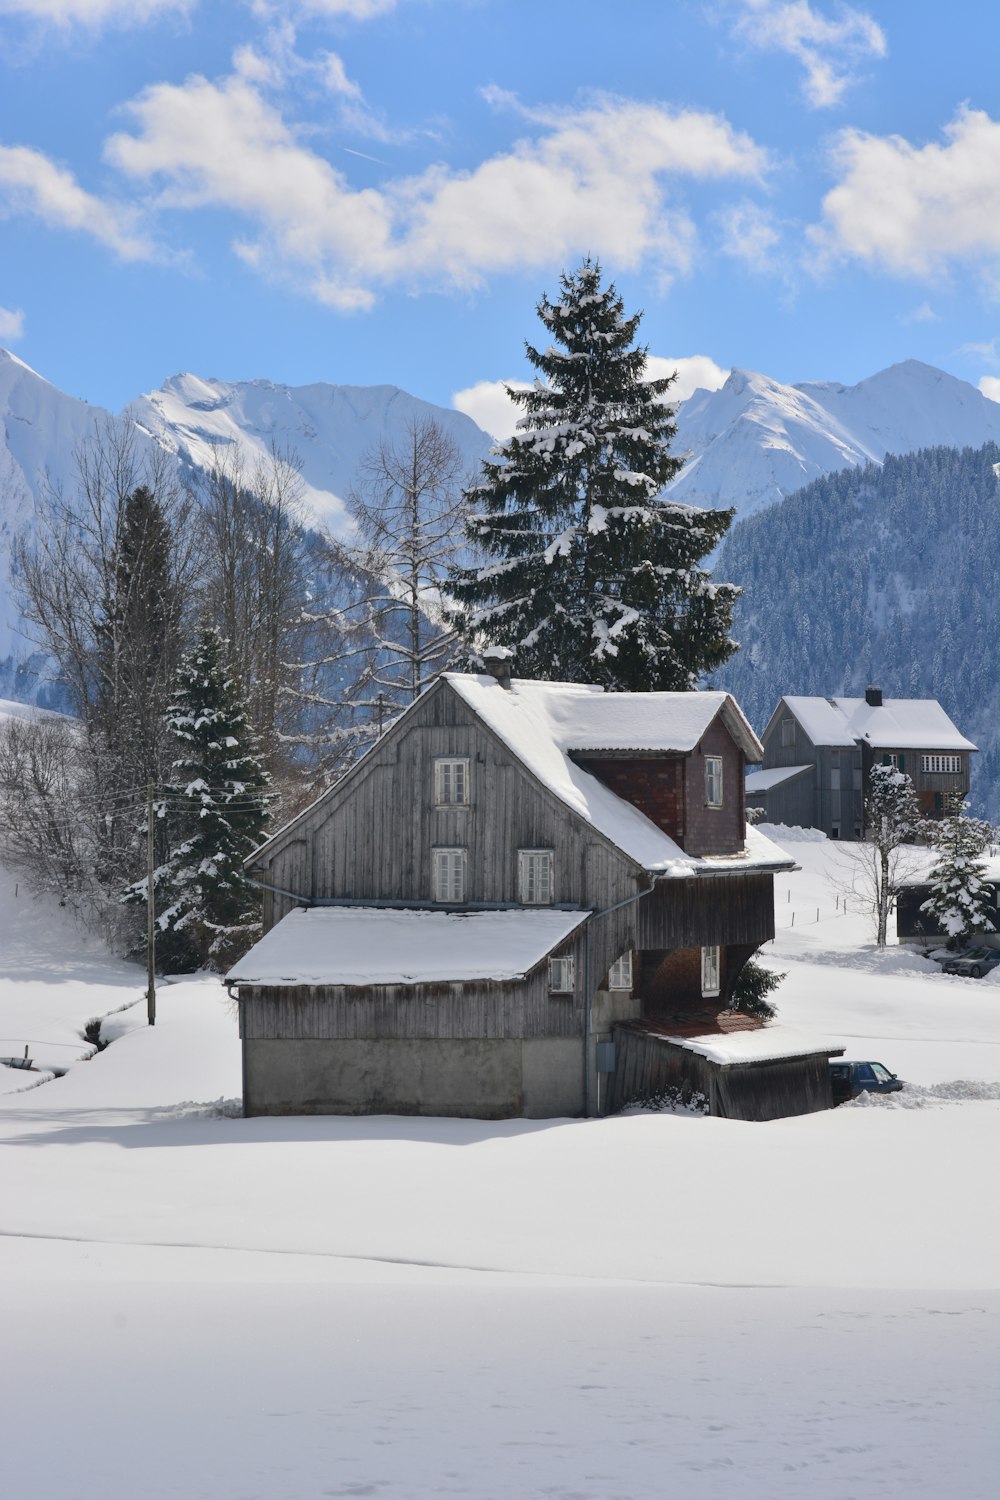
[
  {"x": 516, "y": 868},
  {"x": 818, "y": 753}
]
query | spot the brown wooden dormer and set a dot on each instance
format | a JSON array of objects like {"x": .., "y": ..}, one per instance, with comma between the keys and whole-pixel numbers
[{"x": 674, "y": 790}]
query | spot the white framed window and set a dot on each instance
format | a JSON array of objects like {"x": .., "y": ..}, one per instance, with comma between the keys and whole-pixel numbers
[
  {"x": 449, "y": 875},
  {"x": 534, "y": 876},
  {"x": 710, "y": 971},
  {"x": 948, "y": 764},
  {"x": 787, "y": 733},
  {"x": 620, "y": 973},
  {"x": 562, "y": 976},
  {"x": 451, "y": 781},
  {"x": 713, "y": 780}
]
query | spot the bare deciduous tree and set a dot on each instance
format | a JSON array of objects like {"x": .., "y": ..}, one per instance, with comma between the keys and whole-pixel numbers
[{"x": 409, "y": 512}]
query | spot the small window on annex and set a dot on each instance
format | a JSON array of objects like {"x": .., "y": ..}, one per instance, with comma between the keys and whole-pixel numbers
[
  {"x": 787, "y": 733},
  {"x": 713, "y": 780},
  {"x": 710, "y": 971},
  {"x": 451, "y": 781},
  {"x": 620, "y": 973},
  {"x": 562, "y": 976},
  {"x": 449, "y": 875},
  {"x": 534, "y": 876}
]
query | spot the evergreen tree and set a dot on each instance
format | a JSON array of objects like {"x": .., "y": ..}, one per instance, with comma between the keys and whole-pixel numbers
[
  {"x": 961, "y": 897},
  {"x": 592, "y": 573},
  {"x": 208, "y": 913}
]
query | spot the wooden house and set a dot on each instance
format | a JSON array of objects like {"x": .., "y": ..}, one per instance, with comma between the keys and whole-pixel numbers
[
  {"x": 818, "y": 753},
  {"x": 514, "y": 869}
]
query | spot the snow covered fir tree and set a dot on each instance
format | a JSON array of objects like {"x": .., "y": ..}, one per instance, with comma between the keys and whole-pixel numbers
[
  {"x": 591, "y": 572},
  {"x": 961, "y": 898},
  {"x": 207, "y": 912}
]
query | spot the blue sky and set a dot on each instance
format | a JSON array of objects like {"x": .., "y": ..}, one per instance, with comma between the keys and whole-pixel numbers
[{"x": 370, "y": 191}]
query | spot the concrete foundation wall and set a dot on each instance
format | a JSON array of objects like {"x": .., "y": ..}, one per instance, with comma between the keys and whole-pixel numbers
[{"x": 488, "y": 1080}]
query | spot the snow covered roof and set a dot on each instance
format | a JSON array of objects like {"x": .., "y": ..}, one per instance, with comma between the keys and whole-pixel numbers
[
  {"x": 372, "y": 945},
  {"x": 545, "y": 723},
  {"x": 770, "y": 1044},
  {"x": 763, "y": 781},
  {"x": 896, "y": 724}
]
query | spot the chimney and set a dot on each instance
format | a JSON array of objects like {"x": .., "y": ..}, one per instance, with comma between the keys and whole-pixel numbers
[
  {"x": 497, "y": 661},
  {"x": 873, "y": 697}
]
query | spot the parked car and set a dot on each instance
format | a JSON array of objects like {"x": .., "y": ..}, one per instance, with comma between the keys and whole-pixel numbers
[
  {"x": 849, "y": 1079},
  {"x": 973, "y": 963}
]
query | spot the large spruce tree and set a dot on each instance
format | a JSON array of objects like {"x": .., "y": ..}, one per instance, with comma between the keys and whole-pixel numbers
[
  {"x": 207, "y": 913},
  {"x": 591, "y": 573}
]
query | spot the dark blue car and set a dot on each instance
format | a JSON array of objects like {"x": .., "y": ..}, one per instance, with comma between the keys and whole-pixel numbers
[{"x": 849, "y": 1079}]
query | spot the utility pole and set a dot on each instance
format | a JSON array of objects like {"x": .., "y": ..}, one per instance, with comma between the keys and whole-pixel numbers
[{"x": 150, "y": 913}]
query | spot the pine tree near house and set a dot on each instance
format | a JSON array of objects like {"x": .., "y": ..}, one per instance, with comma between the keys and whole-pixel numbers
[
  {"x": 207, "y": 913},
  {"x": 591, "y": 573},
  {"x": 961, "y": 898}
]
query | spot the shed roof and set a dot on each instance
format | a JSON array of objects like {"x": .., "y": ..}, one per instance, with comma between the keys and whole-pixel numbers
[
  {"x": 365, "y": 945},
  {"x": 763, "y": 781},
  {"x": 769, "y": 1044},
  {"x": 896, "y": 724}
]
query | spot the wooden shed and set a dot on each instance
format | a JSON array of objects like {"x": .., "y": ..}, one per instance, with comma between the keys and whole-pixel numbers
[{"x": 759, "y": 1073}]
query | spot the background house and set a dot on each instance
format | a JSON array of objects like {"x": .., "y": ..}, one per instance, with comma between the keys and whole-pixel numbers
[
  {"x": 818, "y": 753},
  {"x": 516, "y": 868}
]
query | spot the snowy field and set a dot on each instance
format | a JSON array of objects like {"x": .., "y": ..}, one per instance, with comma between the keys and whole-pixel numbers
[{"x": 196, "y": 1305}]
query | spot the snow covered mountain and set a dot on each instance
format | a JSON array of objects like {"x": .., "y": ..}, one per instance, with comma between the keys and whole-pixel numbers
[
  {"x": 328, "y": 427},
  {"x": 751, "y": 442},
  {"x": 754, "y": 440}
]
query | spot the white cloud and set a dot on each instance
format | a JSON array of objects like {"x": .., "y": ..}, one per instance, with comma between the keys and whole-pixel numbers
[
  {"x": 750, "y": 234},
  {"x": 331, "y": 10},
  {"x": 11, "y": 323},
  {"x": 488, "y": 403},
  {"x": 912, "y": 210},
  {"x": 590, "y": 180},
  {"x": 990, "y": 386},
  {"x": 829, "y": 50},
  {"x": 922, "y": 314},
  {"x": 32, "y": 184},
  {"x": 695, "y": 372},
  {"x": 987, "y": 350},
  {"x": 94, "y": 13}
]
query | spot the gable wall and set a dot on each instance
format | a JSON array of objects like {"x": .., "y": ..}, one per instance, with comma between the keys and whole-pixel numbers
[{"x": 373, "y": 839}]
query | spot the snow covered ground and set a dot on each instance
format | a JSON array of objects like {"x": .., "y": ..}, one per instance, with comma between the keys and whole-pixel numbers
[{"x": 194, "y": 1304}]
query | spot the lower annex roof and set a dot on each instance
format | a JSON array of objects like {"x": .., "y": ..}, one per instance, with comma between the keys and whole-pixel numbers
[{"x": 365, "y": 945}]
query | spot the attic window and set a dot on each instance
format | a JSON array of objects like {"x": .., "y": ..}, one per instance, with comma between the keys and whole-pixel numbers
[
  {"x": 451, "y": 781},
  {"x": 787, "y": 733},
  {"x": 534, "y": 876},
  {"x": 713, "y": 780},
  {"x": 562, "y": 976}
]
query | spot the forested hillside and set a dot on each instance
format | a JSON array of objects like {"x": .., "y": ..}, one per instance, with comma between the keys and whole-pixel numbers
[{"x": 888, "y": 575}]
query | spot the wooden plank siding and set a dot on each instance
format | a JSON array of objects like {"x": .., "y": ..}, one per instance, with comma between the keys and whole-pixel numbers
[
  {"x": 371, "y": 838},
  {"x": 649, "y": 1066},
  {"x": 489, "y": 1012}
]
